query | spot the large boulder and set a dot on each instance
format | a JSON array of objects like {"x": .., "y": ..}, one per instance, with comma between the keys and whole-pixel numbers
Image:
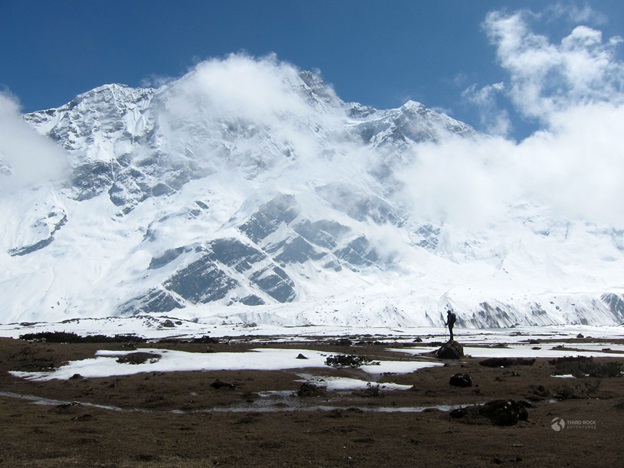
[{"x": 450, "y": 350}]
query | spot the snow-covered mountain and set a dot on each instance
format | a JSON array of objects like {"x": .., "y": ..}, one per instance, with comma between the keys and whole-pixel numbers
[{"x": 247, "y": 191}]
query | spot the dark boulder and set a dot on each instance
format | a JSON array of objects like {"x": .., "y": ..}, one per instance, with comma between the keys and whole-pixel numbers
[
  {"x": 504, "y": 412},
  {"x": 310, "y": 390},
  {"x": 349, "y": 360},
  {"x": 461, "y": 380},
  {"x": 498, "y": 412},
  {"x": 506, "y": 362},
  {"x": 138, "y": 357},
  {"x": 219, "y": 384},
  {"x": 343, "y": 342},
  {"x": 450, "y": 350}
]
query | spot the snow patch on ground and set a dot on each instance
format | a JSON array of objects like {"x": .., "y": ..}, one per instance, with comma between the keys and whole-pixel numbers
[
  {"x": 345, "y": 383},
  {"x": 106, "y": 364}
]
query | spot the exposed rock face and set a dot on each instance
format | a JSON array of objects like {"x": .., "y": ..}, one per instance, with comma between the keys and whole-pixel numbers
[
  {"x": 42, "y": 232},
  {"x": 220, "y": 268}
]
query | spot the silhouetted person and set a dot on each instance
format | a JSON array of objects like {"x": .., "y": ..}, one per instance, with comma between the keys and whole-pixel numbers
[{"x": 450, "y": 321}]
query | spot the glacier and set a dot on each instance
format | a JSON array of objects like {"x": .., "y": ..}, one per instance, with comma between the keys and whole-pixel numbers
[{"x": 248, "y": 192}]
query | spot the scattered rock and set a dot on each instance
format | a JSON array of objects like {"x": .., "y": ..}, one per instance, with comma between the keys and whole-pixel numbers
[
  {"x": 577, "y": 390},
  {"x": 539, "y": 390},
  {"x": 349, "y": 360},
  {"x": 310, "y": 390},
  {"x": 65, "y": 337},
  {"x": 83, "y": 417},
  {"x": 168, "y": 323},
  {"x": 371, "y": 390},
  {"x": 461, "y": 380},
  {"x": 343, "y": 342},
  {"x": 301, "y": 356},
  {"x": 65, "y": 408},
  {"x": 506, "y": 362},
  {"x": 580, "y": 336},
  {"x": 219, "y": 384},
  {"x": 498, "y": 412},
  {"x": 504, "y": 412},
  {"x": 138, "y": 358},
  {"x": 583, "y": 366},
  {"x": 205, "y": 339},
  {"x": 450, "y": 350}
]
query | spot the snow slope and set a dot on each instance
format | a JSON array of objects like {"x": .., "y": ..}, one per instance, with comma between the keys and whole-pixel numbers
[{"x": 249, "y": 191}]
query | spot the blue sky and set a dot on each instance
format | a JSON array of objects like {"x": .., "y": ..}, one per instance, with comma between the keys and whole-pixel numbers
[{"x": 377, "y": 52}]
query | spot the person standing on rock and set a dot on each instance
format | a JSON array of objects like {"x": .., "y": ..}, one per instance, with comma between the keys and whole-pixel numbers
[{"x": 450, "y": 322}]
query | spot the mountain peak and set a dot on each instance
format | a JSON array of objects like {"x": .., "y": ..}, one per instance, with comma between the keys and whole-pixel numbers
[
  {"x": 413, "y": 106},
  {"x": 248, "y": 191},
  {"x": 110, "y": 93}
]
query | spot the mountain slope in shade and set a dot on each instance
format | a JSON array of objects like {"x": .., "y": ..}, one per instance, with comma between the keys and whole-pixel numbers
[{"x": 247, "y": 190}]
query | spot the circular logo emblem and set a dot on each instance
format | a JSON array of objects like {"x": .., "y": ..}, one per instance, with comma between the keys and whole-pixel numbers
[{"x": 558, "y": 424}]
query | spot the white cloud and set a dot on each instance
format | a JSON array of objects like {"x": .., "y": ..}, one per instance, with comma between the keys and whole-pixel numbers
[
  {"x": 574, "y": 170},
  {"x": 26, "y": 158},
  {"x": 547, "y": 77},
  {"x": 573, "y": 166},
  {"x": 574, "y": 13},
  {"x": 577, "y": 166},
  {"x": 244, "y": 100},
  {"x": 240, "y": 86},
  {"x": 494, "y": 119},
  {"x": 464, "y": 182}
]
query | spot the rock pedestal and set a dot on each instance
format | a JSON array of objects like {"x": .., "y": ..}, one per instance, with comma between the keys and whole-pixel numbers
[{"x": 450, "y": 350}]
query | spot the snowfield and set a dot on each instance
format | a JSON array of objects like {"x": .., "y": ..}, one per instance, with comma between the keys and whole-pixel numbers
[
  {"x": 548, "y": 342},
  {"x": 282, "y": 205}
]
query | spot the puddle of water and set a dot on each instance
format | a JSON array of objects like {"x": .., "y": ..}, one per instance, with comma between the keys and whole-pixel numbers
[
  {"x": 259, "y": 406},
  {"x": 52, "y": 402}
]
